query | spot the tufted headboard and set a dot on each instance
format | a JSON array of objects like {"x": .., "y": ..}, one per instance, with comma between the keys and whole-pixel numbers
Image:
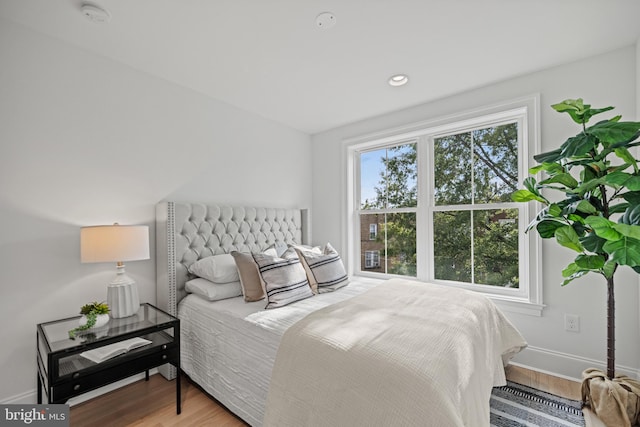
[{"x": 187, "y": 232}]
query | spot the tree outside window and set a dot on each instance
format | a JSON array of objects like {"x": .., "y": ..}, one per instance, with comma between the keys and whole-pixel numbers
[{"x": 474, "y": 235}]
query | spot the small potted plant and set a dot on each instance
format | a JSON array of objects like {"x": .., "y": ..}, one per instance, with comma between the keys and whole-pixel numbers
[{"x": 94, "y": 315}]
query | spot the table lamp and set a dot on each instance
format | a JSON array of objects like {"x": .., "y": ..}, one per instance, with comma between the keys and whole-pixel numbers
[{"x": 117, "y": 243}]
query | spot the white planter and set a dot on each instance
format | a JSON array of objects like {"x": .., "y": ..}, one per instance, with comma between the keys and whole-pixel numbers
[{"x": 101, "y": 320}]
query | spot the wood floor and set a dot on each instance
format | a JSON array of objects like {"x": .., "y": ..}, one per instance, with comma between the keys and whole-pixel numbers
[{"x": 153, "y": 403}]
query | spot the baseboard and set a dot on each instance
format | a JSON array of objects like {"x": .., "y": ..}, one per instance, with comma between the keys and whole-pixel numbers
[
  {"x": 26, "y": 398},
  {"x": 31, "y": 396},
  {"x": 564, "y": 365}
]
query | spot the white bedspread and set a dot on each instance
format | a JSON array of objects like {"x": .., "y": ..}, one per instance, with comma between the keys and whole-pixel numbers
[
  {"x": 401, "y": 354},
  {"x": 228, "y": 347}
]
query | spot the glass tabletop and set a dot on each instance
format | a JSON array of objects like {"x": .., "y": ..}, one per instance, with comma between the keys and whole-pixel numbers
[{"x": 57, "y": 332}]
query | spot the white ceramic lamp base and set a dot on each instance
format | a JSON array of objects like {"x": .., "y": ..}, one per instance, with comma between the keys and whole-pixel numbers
[{"x": 122, "y": 296}]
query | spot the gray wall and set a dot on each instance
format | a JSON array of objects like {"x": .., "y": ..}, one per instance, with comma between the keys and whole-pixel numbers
[
  {"x": 605, "y": 80},
  {"x": 84, "y": 141}
]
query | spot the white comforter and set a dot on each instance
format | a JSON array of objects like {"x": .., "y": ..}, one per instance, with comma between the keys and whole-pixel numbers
[{"x": 401, "y": 354}]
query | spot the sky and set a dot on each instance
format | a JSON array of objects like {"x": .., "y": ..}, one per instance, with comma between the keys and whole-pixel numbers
[{"x": 371, "y": 168}]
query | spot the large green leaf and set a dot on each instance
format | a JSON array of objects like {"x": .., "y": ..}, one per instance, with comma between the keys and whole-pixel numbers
[
  {"x": 589, "y": 172},
  {"x": 627, "y": 157},
  {"x": 593, "y": 111},
  {"x": 585, "y": 207},
  {"x": 590, "y": 262},
  {"x": 530, "y": 184},
  {"x": 616, "y": 179},
  {"x": 625, "y": 251},
  {"x": 561, "y": 178},
  {"x": 526, "y": 196},
  {"x": 571, "y": 269},
  {"x": 549, "y": 157},
  {"x": 574, "y": 276},
  {"x": 631, "y": 215},
  {"x": 567, "y": 237},
  {"x": 603, "y": 227},
  {"x": 618, "y": 208},
  {"x": 588, "y": 186},
  {"x": 555, "y": 210},
  {"x": 593, "y": 243},
  {"x": 632, "y": 197},
  {"x": 627, "y": 230},
  {"x": 578, "y": 110},
  {"x": 614, "y": 132},
  {"x": 550, "y": 168},
  {"x": 547, "y": 228},
  {"x": 578, "y": 145},
  {"x": 633, "y": 183}
]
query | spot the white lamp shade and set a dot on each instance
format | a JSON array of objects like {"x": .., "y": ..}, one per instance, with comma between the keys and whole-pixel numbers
[{"x": 114, "y": 243}]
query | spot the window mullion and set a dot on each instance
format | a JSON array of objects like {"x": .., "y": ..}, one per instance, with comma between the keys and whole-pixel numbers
[{"x": 424, "y": 230}]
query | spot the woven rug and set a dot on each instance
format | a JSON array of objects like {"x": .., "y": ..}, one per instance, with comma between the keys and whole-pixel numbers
[{"x": 516, "y": 405}]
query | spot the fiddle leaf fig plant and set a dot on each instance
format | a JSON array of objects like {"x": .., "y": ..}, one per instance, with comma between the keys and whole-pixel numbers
[{"x": 590, "y": 195}]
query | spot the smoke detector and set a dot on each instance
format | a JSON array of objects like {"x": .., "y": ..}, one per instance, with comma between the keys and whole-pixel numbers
[
  {"x": 95, "y": 13},
  {"x": 325, "y": 20}
]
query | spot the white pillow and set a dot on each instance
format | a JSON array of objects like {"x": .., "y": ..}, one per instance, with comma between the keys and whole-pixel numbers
[
  {"x": 216, "y": 269},
  {"x": 324, "y": 268},
  {"x": 213, "y": 291},
  {"x": 285, "y": 280}
]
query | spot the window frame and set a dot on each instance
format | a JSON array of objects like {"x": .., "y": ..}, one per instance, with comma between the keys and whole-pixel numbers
[{"x": 528, "y": 298}]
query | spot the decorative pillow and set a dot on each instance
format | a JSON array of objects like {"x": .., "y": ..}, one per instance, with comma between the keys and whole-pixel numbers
[
  {"x": 213, "y": 291},
  {"x": 324, "y": 268},
  {"x": 249, "y": 275},
  {"x": 216, "y": 269},
  {"x": 285, "y": 280},
  {"x": 280, "y": 248}
]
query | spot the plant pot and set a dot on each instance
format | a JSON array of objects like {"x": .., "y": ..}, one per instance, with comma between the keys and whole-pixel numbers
[
  {"x": 101, "y": 320},
  {"x": 615, "y": 401}
]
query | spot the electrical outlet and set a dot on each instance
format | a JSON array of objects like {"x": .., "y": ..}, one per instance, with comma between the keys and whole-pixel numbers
[{"x": 572, "y": 322}]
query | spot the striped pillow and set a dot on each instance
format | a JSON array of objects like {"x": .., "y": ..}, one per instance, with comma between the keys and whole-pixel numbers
[
  {"x": 284, "y": 278},
  {"x": 324, "y": 268}
]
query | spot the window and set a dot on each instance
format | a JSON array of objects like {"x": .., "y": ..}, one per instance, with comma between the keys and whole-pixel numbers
[
  {"x": 372, "y": 259},
  {"x": 437, "y": 203},
  {"x": 475, "y": 237},
  {"x": 373, "y": 231},
  {"x": 388, "y": 197}
]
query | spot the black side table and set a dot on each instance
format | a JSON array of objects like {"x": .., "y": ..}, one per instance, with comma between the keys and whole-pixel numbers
[{"x": 64, "y": 374}]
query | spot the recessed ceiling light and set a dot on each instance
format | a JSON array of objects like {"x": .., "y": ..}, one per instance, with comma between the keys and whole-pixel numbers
[
  {"x": 95, "y": 13},
  {"x": 398, "y": 80}
]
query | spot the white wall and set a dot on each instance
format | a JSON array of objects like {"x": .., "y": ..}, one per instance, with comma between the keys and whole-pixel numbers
[
  {"x": 604, "y": 80},
  {"x": 85, "y": 140}
]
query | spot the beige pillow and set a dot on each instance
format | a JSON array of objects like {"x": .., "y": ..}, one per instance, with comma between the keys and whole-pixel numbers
[{"x": 252, "y": 287}]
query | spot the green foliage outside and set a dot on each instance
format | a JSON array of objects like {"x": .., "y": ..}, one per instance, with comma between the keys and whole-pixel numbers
[{"x": 471, "y": 168}]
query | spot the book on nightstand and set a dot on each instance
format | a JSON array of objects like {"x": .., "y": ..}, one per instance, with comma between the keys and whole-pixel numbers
[{"x": 110, "y": 351}]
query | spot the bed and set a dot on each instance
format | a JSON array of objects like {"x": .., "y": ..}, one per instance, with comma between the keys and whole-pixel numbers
[{"x": 365, "y": 354}]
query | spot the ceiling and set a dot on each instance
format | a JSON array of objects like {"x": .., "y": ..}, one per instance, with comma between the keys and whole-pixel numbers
[{"x": 270, "y": 57}]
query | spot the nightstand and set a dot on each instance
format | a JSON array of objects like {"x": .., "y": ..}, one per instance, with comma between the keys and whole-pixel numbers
[{"x": 63, "y": 373}]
